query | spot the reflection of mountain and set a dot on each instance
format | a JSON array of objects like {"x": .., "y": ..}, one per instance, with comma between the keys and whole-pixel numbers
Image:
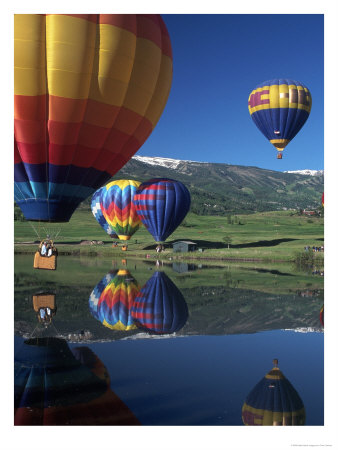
[
  {"x": 55, "y": 386},
  {"x": 212, "y": 310},
  {"x": 273, "y": 401}
]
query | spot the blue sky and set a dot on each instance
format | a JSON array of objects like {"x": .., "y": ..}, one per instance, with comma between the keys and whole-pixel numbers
[{"x": 218, "y": 60}]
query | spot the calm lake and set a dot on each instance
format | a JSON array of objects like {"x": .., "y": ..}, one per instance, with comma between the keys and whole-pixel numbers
[{"x": 101, "y": 341}]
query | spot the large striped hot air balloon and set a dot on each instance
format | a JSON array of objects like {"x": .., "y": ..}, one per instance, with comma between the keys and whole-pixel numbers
[
  {"x": 89, "y": 89},
  {"x": 117, "y": 206},
  {"x": 56, "y": 386},
  {"x": 159, "y": 307},
  {"x": 162, "y": 204},
  {"x": 97, "y": 213},
  {"x": 112, "y": 299},
  {"x": 273, "y": 401},
  {"x": 279, "y": 108}
]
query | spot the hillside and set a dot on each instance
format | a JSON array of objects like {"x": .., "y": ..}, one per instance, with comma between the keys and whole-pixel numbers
[{"x": 219, "y": 189}]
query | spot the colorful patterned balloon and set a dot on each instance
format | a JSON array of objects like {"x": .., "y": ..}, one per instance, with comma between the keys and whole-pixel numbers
[
  {"x": 162, "y": 204},
  {"x": 160, "y": 307},
  {"x": 89, "y": 89},
  {"x": 279, "y": 108},
  {"x": 97, "y": 291},
  {"x": 113, "y": 307},
  {"x": 118, "y": 208},
  {"x": 97, "y": 213},
  {"x": 273, "y": 401}
]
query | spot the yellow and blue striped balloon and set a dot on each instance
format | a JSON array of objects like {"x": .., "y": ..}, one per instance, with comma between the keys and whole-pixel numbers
[
  {"x": 273, "y": 401},
  {"x": 279, "y": 108}
]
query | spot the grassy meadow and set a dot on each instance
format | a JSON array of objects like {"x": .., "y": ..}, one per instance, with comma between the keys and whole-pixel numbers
[{"x": 266, "y": 236}]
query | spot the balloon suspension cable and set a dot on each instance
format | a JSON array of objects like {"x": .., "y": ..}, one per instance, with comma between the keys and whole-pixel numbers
[
  {"x": 34, "y": 229},
  {"x": 52, "y": 233}
]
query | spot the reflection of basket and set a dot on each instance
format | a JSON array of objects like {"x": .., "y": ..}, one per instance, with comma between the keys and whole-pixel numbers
[
  {"x": 44, "y": 301},
  {"x": 44, "y": 262}
]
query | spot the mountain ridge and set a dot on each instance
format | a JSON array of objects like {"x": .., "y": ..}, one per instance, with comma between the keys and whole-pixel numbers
[{"x": 222, "y": 189}]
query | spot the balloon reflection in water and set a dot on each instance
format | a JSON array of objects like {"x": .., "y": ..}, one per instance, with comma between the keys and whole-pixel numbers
[
  {"x": 160, "y": 307},
  {"x": 55, "y": 386},
  {"x": 112, "y": 299},
  {"x": 97, "y": 291},
  {"x": 321, "y": 315},
  {"x": 273, "y": 401},
  {"x": 44, "y": 305}
]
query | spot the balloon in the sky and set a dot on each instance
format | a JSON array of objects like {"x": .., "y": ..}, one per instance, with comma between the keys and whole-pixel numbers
[
  {"x": 116, "y": 201},
  {"x": 97, "y": 213},
  {"x": 279, "y": 108},
  {"x": 89, "y": 89},
  {"x": 112, "y": 307},
  {"x": 162, "y": 204},
  {"x": 54, "y": 385},
  {"x": 160, "y": 307},
  {"x": 273, "y": 401}
]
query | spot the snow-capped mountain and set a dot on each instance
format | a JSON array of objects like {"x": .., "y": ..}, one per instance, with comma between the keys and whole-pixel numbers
[
  {"x": 157, "y": 161},
  {"x": 221, "y": 189},
  {"x": 312, "y": 173},
  {"x": 170, "y": 163}
]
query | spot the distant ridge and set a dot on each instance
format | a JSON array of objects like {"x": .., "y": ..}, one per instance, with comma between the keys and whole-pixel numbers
[
  {"x": 222, "y": 189},
  {"x": 312, "y": 173}
]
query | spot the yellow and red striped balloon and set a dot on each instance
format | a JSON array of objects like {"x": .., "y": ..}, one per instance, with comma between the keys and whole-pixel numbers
[{"x": 89, "y": 89}]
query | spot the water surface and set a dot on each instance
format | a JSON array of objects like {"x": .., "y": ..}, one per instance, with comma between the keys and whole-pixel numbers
[{"x": 197, "y": 342}]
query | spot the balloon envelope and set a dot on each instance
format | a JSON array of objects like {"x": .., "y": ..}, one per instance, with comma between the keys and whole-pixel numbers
[
  {"x": 160, "y": 307},
  {"x": 53, "y": 386},
  {"x": 279, "y": 108},
  {"x": 162, "y": 204},
  {"x": 112, "y": 304},
  {"x": 117, "y": 206},
  {"x": 88, "y": 91},
  {"x": 97, "y": 291},
  {"x": 273, "y": 401},
  {"x": 97, "y": 213}
]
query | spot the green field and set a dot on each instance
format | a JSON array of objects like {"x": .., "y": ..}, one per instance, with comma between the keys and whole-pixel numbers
[{"x": 268, "y": 236}]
